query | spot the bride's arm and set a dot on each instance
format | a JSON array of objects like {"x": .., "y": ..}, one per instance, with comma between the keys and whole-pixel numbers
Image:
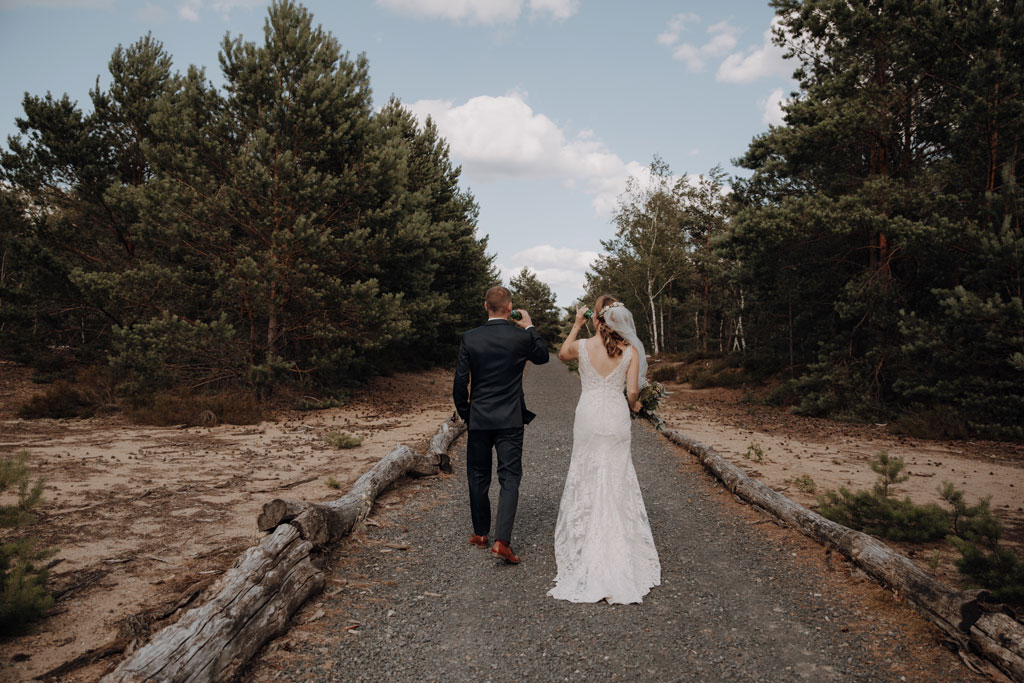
[
  {"x": 568, "y": 351},
  {"x": 633, "y": 382}
]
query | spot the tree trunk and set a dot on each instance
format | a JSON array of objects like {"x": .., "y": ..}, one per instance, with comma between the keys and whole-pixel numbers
[
  {"x": 251, "y": 605},
  {"x": 442, "y": 441},
  {"x": 661, "y": 320},
  {"x": 654, "y": 321},
  {"x": 342, "y": 514},
  {"x": 963, "y": 616},
  {"x": 707, "y": 311},
  {"x": 253, "y": 602},
  {"x": 271, "y": 326},
  {"x": 791, "y": 334}
]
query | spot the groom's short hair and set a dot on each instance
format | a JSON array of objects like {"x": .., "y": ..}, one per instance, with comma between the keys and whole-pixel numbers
[{"x": 497, "y": 299}]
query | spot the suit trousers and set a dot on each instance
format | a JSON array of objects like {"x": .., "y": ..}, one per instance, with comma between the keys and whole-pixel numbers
[{"x": 508, "y": 444}]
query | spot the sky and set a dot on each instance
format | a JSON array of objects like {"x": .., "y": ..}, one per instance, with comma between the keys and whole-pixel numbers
[{"x": 549, "y": 106}]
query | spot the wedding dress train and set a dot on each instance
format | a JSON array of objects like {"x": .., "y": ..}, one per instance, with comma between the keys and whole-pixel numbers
[{"x": 603, "y": 543}]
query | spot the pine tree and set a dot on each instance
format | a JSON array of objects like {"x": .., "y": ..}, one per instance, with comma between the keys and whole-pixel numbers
[
  {"x": 78, "y": 239},
  {"x": 23, "y": 595},
  {"x": 530, "y": 293},
  {"x": 892, "y": 183},
  {"x": 273, "y": 230}
]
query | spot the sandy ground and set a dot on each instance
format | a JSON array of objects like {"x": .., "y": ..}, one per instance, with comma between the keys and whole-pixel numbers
[
  {"x": 802, "y": 457},
  {"x": 144, "y": 517}
]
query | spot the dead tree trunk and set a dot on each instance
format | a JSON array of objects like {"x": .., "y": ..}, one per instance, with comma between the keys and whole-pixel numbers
[
  {"x": 342, "y": 514},
  {"x": 442, "y": 441},
  {"x": 963, "y": 616},
  {"x": 252, "y": 604}
]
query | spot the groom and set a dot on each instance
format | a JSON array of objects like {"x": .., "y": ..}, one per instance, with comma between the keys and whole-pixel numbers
[{"x": 492, "y": 358}]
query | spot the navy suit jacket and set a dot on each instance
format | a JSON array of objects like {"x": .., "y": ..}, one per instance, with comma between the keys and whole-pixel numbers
[{"x": 492, "y": 358}]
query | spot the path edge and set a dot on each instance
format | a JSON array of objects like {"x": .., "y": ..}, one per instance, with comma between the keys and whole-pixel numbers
[
  {"x": 254, "y": 601},
  {"x": 984, "y": 634}
]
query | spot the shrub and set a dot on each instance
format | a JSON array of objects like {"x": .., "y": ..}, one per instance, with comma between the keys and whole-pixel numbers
[
  {"x": 727, "y": 378},
  {"x": 938, "y": 422},
  {"x": 23, "y": 595},
  {"x": 897, "y": 520},
  {"x": 976, "y": 535},
  {"x": 343, "y": 440},
  {"x": 889, "y": 471},
  {"x": 754, "y": 452},
  {"x": 166, "y": 409},
  {"x": 805, "y": 483},
  {"x": 997, "y": 569},
  {"x": 663, "y": 372},
  {"x": 876, "y": 513},
  {"x": 762, "y": 367},
  {"x": 60, "y": 400},
  {"x": 333, "y": 483},
  {"x": 783, "y": 394}
]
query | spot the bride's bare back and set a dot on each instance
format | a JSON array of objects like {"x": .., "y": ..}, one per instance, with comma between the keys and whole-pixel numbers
[{"x": 601, "y": 361}]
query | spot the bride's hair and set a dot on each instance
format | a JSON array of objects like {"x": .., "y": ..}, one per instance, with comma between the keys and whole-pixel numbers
[{"x": 610, "y": 337}]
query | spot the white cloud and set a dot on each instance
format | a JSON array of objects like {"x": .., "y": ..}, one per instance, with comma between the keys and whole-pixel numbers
[
  {"x": 722, "y": 39},
  {"x": 558, "y": 9},
  {"x": 481, "y": 11},
  {"x": 548, "y": 256},
  {"x": 561, "y": 268},
  {"x": 676, "y": 25},
  {"x": 502, "y": 137},
  {"x": 226, "y": 6},
  {"x": 772, "y": 107},
  {"x": 151, "y": 14},
  {"x": 189, "y": 10},
  {"x": 762, "y": 61},
  {"x": 57, "y": 4}
]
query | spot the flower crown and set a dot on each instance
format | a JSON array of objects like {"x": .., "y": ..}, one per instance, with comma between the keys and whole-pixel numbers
[{"x": 614, "y": 304}]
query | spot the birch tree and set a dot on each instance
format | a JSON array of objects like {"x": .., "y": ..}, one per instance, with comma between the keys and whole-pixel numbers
[{"x": 649, "y": 250}]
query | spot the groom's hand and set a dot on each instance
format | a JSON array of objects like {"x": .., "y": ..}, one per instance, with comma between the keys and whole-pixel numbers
[{"x": 525, "y": 321}]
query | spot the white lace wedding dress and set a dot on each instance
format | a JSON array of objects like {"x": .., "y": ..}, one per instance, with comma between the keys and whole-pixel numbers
[{"x": 603, "y": 543}]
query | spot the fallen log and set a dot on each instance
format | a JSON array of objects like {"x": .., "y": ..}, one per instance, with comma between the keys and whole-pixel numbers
[
  {"x": 342, "y": 514},
  {"x": 254, "y": 600},
  {"x": 252, "y": 604},
  {"x": 442, "y": 441},
  {"x": 961, "y": 615}
]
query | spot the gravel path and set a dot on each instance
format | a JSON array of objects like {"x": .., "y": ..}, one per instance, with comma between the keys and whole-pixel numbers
[{"x": 733, "y": 605}]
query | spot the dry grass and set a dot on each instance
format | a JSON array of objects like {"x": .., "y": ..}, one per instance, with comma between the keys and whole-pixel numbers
[
  {"x": 343, "y": 440},
  {"x": 203, "y": 410}
]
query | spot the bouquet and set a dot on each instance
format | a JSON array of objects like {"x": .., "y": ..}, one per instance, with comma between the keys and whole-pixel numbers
[{"x": 650, "y": 398}]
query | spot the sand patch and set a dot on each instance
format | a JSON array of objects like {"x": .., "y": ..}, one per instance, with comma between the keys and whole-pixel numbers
[
  {"x": 142, "y": 514},
  {"x": 802, "y": 457}
]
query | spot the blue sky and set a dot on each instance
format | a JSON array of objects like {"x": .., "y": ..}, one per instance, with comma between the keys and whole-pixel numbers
[{"x": 548, "y": 105}]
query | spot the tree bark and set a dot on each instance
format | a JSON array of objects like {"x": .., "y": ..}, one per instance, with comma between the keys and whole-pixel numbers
[
  {"x": 437, "y": 451},
  {"x": 342, "y": 514},
  {"x": 962, "y": 615},
  {"x": 252, "y": 604}
]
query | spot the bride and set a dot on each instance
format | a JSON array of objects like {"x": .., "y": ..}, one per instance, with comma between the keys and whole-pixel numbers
[{"x": 603, "y": 543}]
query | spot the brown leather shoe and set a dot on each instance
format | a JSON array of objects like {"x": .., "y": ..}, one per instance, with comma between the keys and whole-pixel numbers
[
  {"x": 478, "y": 541},
  {"x": 503, "y": 552}
]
